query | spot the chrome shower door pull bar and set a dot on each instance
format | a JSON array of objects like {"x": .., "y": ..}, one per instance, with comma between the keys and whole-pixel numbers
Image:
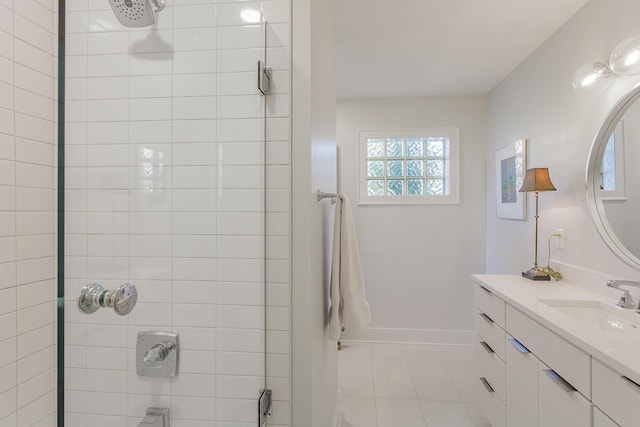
[
  {"x": 264, "y": 78},
  {"x": 93, "y": 296}
]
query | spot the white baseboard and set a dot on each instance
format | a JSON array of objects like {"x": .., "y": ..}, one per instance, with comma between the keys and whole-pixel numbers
[{"x": 431, "y": 336}]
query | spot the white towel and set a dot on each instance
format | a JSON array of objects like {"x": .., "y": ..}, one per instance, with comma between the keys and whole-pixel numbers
[{"x": 349, "y": 306}]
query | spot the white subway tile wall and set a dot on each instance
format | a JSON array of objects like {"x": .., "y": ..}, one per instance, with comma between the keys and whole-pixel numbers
[
  {"x": 28, "y": 37},
  {"x": 165, "y": 188}
]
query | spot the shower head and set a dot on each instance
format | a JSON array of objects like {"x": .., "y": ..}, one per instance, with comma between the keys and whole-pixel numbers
[{"x": 136, "y": 13}]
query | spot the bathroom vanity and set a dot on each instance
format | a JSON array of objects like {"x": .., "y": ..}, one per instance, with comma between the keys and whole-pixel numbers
[{"x": 555, "y": 354}]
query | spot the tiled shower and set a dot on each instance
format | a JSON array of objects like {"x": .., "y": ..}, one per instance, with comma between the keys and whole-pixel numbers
[
  {"x": 176, "y": 179},
  {"x": 27, "y": 213}
]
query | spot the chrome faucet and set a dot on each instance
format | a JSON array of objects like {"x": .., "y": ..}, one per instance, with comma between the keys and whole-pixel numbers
[{"x": 626, "y": 300}]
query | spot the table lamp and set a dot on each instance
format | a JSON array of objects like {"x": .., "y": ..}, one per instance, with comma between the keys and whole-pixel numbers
[{"x": 536, "y": 180}]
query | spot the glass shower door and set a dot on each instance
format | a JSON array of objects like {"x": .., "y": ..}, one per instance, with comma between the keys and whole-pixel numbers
[{"x": 163, "y": 191}]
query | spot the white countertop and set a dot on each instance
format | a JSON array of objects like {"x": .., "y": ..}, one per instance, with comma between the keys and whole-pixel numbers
[{"x": 619, "y": 350}]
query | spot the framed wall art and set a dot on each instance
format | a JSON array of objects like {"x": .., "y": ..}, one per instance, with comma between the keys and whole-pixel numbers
[{"x": 511, "y": 166}]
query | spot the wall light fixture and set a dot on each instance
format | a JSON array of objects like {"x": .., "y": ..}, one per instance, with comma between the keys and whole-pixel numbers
[
  {"x": 591, "y": 78},
  {"x": 624, "y": 61}
]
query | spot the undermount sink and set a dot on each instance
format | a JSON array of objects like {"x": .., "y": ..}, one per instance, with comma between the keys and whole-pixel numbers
[{"x": 598, "y": 315}]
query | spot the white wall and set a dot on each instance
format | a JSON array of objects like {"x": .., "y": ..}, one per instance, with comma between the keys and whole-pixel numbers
[
  {"x": 417, "y": 259},
  {"x": 537, "y": 102},
  {"x": 314, "y": 362},
  {"x": 27, "y": 212}
]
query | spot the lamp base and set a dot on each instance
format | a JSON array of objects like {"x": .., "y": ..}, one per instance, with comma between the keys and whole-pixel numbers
[{"x": 536, "y": 274}]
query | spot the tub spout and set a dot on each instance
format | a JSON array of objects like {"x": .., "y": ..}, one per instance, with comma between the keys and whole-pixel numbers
[{"x": 156, "y": 417}]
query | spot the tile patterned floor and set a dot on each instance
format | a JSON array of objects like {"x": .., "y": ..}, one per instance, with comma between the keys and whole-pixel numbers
[{"x": 409, "y": 385}]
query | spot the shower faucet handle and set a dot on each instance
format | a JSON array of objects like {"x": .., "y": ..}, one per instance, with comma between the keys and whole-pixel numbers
[
  {"x": 159, "y": 352},
  {"x": 122, "y": 300}
]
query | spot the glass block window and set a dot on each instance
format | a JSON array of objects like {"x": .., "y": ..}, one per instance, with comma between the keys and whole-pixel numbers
[
  {"x": 407, "y": 166},
  {"x": 414, "y": 166}
]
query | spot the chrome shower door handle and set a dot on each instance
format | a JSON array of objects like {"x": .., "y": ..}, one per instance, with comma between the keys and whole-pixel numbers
[{"x": 94, "y": 296}]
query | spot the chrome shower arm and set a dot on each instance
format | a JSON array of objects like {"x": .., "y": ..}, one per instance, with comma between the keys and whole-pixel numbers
[{"x": 158, "y": 5}]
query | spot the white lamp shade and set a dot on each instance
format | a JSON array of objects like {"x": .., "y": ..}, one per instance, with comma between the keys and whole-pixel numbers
[{"x": 625, "y": 59}]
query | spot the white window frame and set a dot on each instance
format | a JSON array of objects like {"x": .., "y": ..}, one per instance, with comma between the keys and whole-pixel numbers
[{"x": 453, "y": 133}]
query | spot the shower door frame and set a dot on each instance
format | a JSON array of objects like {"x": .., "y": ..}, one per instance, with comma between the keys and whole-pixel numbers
[{"x": 60, "y": 218}]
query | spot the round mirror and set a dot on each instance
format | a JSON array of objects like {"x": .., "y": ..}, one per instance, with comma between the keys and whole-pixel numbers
[{"x": 613, "y": 189}]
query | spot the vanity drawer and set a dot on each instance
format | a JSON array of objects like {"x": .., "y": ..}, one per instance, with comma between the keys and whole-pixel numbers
[
  {"x": 490, "y": 304},
  {"x": 521, "y": 385},
  {"x": 491, "y": 405},
  {"x": 490, "y": 332},
  {"x": 571, "y": 363},
  {"x": 601, "y": 420},
  {"x": 616, "y": 395},
  {"x": 491, "y": 367},
  {"x": 560, "y": 405}
]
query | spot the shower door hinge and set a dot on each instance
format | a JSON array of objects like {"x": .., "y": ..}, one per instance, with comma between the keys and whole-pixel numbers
[
  {"x": 264, "y": 407},
  {"x": 264, "y": 78}
]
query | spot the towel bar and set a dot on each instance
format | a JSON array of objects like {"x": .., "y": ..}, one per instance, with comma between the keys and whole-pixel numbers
[{"x": 322, "y": 195}]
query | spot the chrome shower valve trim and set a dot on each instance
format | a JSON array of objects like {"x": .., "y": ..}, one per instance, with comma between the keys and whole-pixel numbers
[{"x": 157, "y": 354}]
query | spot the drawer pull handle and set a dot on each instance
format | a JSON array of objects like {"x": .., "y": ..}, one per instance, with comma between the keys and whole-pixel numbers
[
  {"x": 485, "y": 289},
  {"x": 630, "y": 381},
  {"x": 487, "y": 347},
  {"x": 486, "y": 318},
  {"x": 517, "y": 344},
  {"x": 486, "y": 385},
  {"x": 559, "y": 380}
]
